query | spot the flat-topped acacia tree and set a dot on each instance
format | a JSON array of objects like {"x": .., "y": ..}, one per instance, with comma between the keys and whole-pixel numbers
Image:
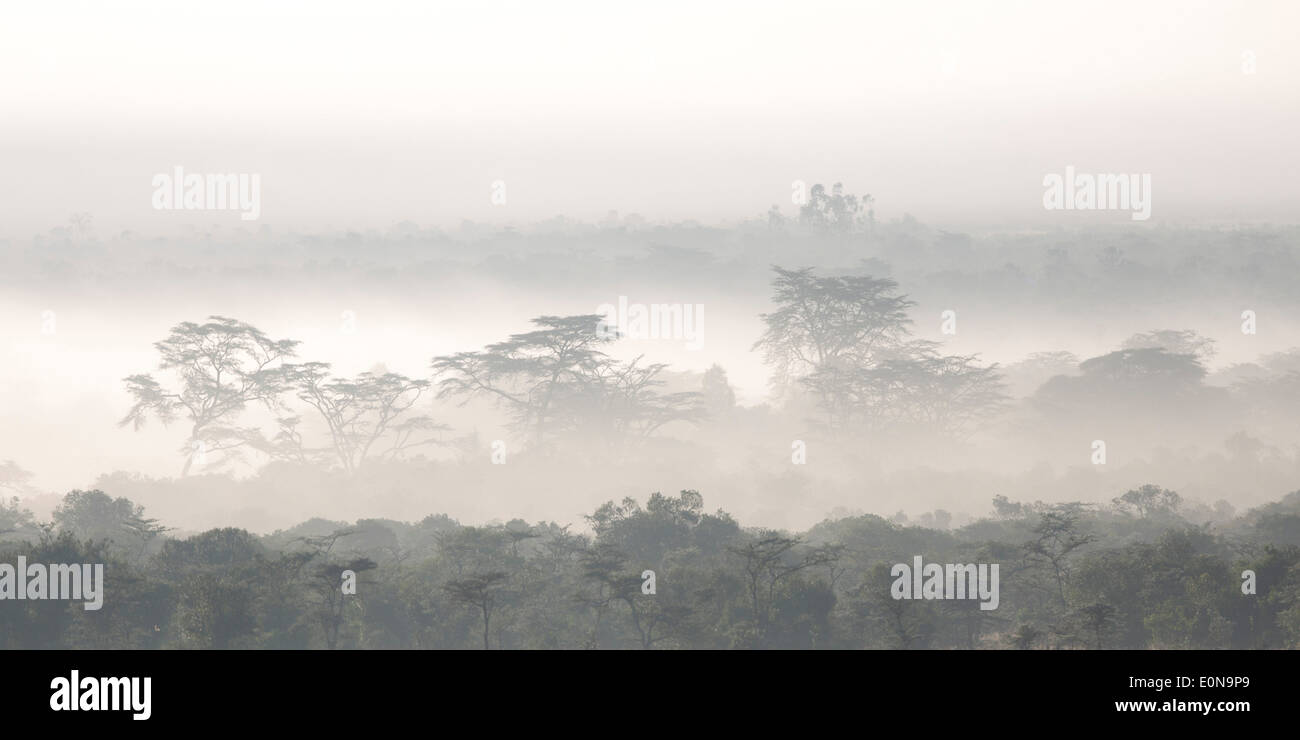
[
  {"x": 366, "y": 416},
  {"x": 821, "y": 321},
  {"x": 555, "y": 379},
  {"x": 219, "y": 367}
]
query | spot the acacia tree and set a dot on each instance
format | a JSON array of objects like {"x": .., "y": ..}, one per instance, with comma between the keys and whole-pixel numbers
[
  {"x": 846, "y": 340},
  {"x": 529, "y": 373},
  {"x": 602, "y": 568},
  {"x": 623, "y": 399},
  {"x": 221, "y": 366},
  {"x": 821, "y": 321},
  {"x": 654, "y": 618},
  {"x": 330, "y": 599},
  {"x": 1057, "y": 535},
  {"x": 769, "y": 561},
  {"x": 915, "y": 386},
  {"x": 479, "y": 591},
  {"x": 359, "y": 413},
  {"x": 556, "y": 379}
]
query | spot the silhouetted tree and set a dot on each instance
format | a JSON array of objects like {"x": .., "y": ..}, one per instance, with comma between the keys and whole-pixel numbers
[
  {"x": 769, "y": 561},
  {"x": 222, "y": 366},
  {"x": 1148, "y": 500},
  {"x": 913, "y": 386},
  {"x": 555, "y": 379},
  {"x": 359, "y": 413},
  {"x": 840, "y": 321},
  {"x": 1057, "y": 535},
  {"x": 479, "y": 591}
]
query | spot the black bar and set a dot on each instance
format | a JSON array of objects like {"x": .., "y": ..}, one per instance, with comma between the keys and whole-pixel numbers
[{"x": 1002, "y": 690}]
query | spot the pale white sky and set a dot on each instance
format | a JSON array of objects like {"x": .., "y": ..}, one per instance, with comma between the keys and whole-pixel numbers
[{"x": 365, "y": 114}]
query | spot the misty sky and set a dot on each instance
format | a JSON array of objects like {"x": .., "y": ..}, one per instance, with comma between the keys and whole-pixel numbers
[{"x": 409, "y": 111}]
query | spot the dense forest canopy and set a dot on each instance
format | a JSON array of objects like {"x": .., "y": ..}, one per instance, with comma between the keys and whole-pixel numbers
[{"x": 1144, "y": 571}]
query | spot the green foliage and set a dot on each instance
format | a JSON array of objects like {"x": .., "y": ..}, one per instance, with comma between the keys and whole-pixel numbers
[{"x": 1072, "y": 577}]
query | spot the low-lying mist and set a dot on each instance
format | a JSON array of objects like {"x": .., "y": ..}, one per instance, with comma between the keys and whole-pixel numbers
[{"x": 787, "y": 367}]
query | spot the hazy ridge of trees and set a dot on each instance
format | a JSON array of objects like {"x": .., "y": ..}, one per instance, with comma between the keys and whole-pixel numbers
[{"x": 1098, "y": 268}]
